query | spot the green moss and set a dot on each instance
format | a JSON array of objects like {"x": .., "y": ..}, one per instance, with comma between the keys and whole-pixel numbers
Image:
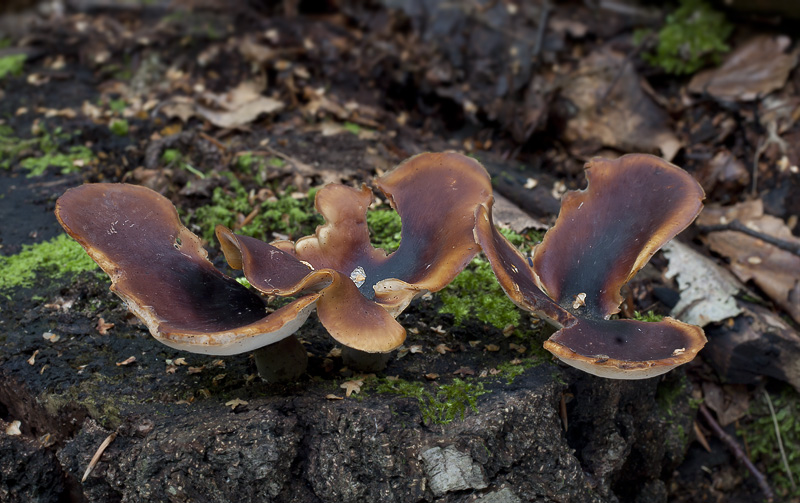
[
  {"x": 447, "y": 403},
  {"x": 174, "y": 157},
  {"x": 384, "y": 227},
  {"x": 49, "y": 144},
  {"x": 69, "y": 162},
  {"x": 11, "y": 147},
  {"x": 245, "y": 162},
  {"x": 510, "y": 371},
  {"x": 286, "y": 215},
  {"x": 103, "y": 407},
  {"x": 117, "y": 106},
  {"x": 759, "y": 431},
  {"x": 58, "y": 257},
  {"x": 475, "y": 293},
  {"x": 171, "y": 155},
  {"x": 12, "y": 65},
  {"x": 669, "y": 392},
  {"x": 692, "y": 37},
  {"x": 649, "y": 316},
  {"x": 119, "y": 127}
]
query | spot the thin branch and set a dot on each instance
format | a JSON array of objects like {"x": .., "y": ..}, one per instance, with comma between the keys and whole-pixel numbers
[
  {"x": 97, "y": 455},
  {"x": 736, "y": 225},
  {"x": 738, "y": 453},
  {"x": 780, "y": 440}
]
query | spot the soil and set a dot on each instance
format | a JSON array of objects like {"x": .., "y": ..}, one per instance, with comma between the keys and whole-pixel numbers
[{"x": 209, "y": 429}]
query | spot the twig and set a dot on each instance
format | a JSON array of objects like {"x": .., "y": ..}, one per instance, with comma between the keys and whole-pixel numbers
[
  {"x": 736, "y": 225},
  {"x": 738, "y": 453},
  {"x": 97, "y": 455},
  {"x": 701, "y": 437},
  {"x": 780, "y": 440},
  {"x": 537, "y": 48}
]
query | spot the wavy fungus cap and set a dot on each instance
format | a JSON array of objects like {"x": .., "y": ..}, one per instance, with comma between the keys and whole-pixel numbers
[
  {"x": 603, "y": 235},
  {"x": 436, "y": 196},
  {"x": 160, "y": 269}
]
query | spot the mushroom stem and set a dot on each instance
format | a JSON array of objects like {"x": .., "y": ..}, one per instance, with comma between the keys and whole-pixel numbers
[
  {"x": 363, "y": 361},
  {"x": 282, "y": 361}
]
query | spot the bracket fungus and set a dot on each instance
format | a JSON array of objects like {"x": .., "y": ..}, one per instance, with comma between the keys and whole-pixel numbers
[
  {"x": 603, "y": 235},
  {"x": 161, "y": 271}
]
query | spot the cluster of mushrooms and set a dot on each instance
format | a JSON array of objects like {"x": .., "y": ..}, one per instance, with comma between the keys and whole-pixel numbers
[{"x": 603, "y": 235}]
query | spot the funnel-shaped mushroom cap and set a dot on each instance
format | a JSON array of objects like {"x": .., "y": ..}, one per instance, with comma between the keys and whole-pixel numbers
[
  {"x": 160, "y": 269},
  {"x": 361, "y": 288},
  {"x": 602, "y": 237}
]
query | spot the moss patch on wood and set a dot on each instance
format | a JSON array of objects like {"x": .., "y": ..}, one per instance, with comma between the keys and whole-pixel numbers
[{"x": 57, "y": 257}]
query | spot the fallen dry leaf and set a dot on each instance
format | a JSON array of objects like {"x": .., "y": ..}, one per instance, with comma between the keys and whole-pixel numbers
[
  {"x": 235, "y": 403},
  {"x": 236, "y": 108},
  {"x": 464, "y": 371},
  {"x": 613, "y": 110},
  {"x": 774, "y": 270},
  {"x": 753, "y": 70},
  {"x": 353, "y": 386},
  {"x": 331, "y": 396},
  {"x": 442, "y": 349},
  {"x": 517, "y": 347},
  {"x": 50, "y": 336},
  {"x": 492, "y": 347},
  {"x": 707, "y": 290},
  {"x": 729, "y": 401},
  {"x": 32, "y": 359},
  {"x": 13, "y": 428},
  {"x": 127, "y": 361},
  {"x": 103, "y": 327}
]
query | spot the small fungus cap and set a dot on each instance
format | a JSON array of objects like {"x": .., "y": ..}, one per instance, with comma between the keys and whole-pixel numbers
[
  {"x": 603, "y": 235},
  {"x": 161, "y": 271}
]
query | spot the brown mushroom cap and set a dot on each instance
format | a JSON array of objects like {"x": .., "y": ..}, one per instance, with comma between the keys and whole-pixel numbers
[
  {"x": 160, "y": 269},
  {"x": 626, "y": 349},
  {"x": 426, "y": 190},
  {"x": 513, "y": 271},
  {"x": 603, "y": 235}
]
